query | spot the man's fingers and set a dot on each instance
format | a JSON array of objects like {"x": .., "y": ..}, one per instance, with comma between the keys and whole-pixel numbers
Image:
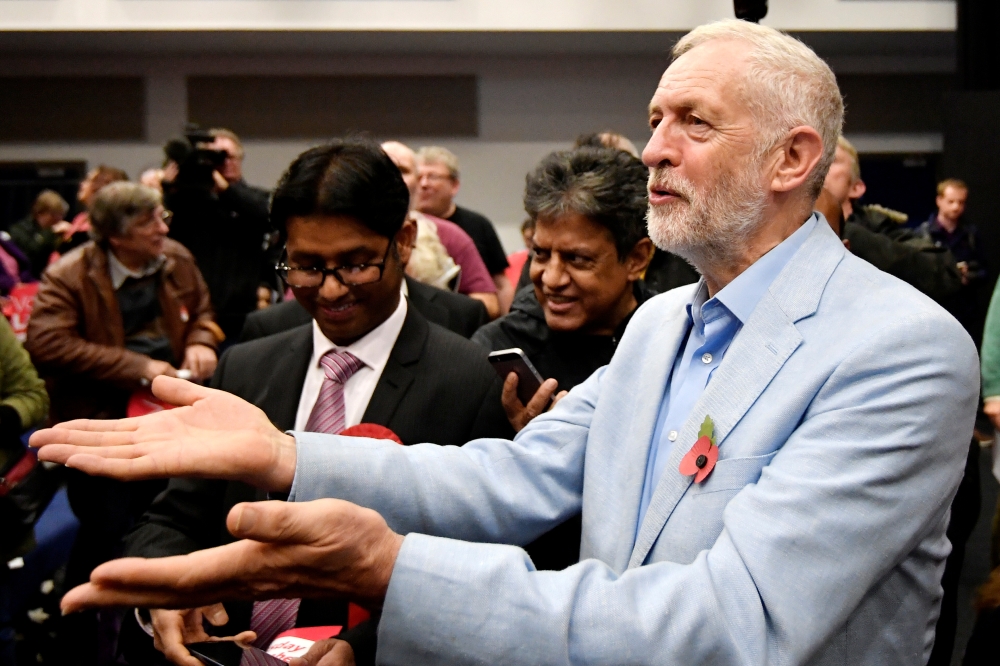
[
  {"x": 329, "y": 652},
  {"x": 74, "y": 438},
  {"x": 216, "y": 615},
  {"x": 101, "y": 425},
  {"x": 284, "y": 522},
  {"x": 508, "y": 398},
  {"x": 200, "y": 578},
  {"x": 178, "y": 392},
  {"x": 541, "y": 399},
  {"x": 86, "y": 433},
  {"x": 123, "y": 469},
  {"x": 559, "y": 396},
  {"x": 168, "y": 637}
]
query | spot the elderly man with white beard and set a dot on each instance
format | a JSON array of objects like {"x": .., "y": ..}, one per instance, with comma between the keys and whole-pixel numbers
[{"x": 764, "y": 468}]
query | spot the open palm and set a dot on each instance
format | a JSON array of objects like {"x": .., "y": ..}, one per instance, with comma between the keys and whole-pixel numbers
[{"x": 212, "y": 434}]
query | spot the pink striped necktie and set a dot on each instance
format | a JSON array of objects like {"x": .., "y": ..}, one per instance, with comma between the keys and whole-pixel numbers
[
  {"x": 328, "y": 415},
  {"x": 274, "y": 616}
]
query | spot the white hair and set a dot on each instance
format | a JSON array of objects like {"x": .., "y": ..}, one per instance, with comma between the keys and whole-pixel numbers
[{"x": 786, "y": 85}]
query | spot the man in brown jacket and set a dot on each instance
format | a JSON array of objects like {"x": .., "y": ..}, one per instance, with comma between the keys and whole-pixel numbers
[{"x": 109, "y": 317}]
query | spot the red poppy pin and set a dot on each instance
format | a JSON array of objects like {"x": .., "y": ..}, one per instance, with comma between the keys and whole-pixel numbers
[{"x": 700, "y": 460}]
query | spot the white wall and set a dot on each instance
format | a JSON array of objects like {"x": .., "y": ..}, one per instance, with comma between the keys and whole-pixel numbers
[{"x": 462, "y": 14}]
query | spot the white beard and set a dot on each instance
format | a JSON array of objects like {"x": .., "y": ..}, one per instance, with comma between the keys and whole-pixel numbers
[{"x": 710, "y": 226}]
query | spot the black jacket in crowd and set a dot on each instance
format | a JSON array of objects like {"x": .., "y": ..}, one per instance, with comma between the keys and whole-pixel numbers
[
  {"x": 966, "y": 304},
  {"x": 456, "y": 312},
  {"x": 229, "y": 234},
  {"x": 900, "y": 253},
  {"x": 570, "y": 358},
  {"x": 436, "y": 387}
]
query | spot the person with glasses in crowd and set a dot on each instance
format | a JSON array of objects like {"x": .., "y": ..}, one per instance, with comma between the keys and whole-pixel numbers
[
  {"x": 365, "y": 356},
  {"x": 439, "y": 181},
  {"x": 111, "y": 315},
  {"x": 454, "y": 311}
]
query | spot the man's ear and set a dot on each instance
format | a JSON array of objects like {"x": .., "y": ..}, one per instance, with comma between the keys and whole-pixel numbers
[
  {"x": 798, "y": 157},
  {"x": 638, "y": 259},
  {"x": 405, "y": 239},
  {"x": 857, "y": 190}
]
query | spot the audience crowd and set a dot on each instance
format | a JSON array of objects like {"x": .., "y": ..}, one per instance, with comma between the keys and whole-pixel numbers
[{"x": 358, "y": 293}]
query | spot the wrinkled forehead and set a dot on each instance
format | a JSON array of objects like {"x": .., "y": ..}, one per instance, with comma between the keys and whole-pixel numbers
[{"x": 713, "y": 72}]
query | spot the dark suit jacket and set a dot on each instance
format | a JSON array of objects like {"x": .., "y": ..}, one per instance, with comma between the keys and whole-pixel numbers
[
  {"x": 456, "y": 312},
  {"x": 436, "y": 387}
]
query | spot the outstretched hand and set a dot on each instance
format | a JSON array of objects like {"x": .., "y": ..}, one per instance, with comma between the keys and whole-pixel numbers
[
  {"x": 325, "y": 548},
  {"x": 212, "y": 434}
]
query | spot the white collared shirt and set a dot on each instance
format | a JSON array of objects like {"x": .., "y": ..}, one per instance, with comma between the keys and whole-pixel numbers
[
  {"x": 373, "y": 350},
  {"x": 120, "y": 272}
]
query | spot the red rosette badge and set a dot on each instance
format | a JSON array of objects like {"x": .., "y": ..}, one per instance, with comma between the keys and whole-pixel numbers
[{"x": 701, "y": 459}]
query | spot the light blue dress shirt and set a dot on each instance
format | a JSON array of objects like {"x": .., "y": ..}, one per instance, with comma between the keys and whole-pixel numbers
[{"x": 712, "y": 325}]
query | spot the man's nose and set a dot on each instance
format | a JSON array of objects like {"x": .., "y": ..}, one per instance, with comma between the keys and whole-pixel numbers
[
  {"x": 661, "y": 150},
  {"x": 331, "y": 289},
  {"x": 555, "y": 274}
]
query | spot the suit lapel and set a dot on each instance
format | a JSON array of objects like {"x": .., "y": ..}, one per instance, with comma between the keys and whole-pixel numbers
[
  {"x": 398, "y": 373},
  {"x": 281, "y": 395},
  {"x": 755, "y": 356},
  {"x": 633, "y": 446}
]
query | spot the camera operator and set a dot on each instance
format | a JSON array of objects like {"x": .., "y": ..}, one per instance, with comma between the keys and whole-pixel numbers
[{"x": 222, "y": 220}]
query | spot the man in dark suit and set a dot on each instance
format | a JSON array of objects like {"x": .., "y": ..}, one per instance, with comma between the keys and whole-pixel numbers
[
  {"x": 343, "y": 207},
  {"x": 456, "y": 312}
]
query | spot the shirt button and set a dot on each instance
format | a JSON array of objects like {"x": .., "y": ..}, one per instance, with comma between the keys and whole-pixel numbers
[
  {"x": 672, "y": 435},
  {"x": 706, "y": 358}
]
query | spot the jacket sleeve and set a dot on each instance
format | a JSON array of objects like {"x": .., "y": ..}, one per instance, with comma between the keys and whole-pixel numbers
[
  {"x": 21, "y": 389},
  {"x": 990, "y": 353},
  {"x": 493, "y": 490},
  {"x": 54, "y": 340}
]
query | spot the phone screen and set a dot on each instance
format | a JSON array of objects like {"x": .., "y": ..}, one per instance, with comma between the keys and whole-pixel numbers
[
  {"x": 507, "y": 361},
  {"x": 228, "y": 653}
]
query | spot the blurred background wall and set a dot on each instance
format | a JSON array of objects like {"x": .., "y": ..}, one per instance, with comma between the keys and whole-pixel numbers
[{"x": 84, "y": 82}]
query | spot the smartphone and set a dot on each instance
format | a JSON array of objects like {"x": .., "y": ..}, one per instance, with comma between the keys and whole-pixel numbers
[
  {"x": 228, "y": 653},
  {"x": 513, "y": 360}
]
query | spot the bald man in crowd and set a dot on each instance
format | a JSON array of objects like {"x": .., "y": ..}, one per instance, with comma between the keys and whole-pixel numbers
[{"x": 764, "y": 468}]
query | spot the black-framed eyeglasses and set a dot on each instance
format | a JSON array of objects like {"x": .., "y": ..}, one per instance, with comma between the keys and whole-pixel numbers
[{"x": 350, "y": 276}]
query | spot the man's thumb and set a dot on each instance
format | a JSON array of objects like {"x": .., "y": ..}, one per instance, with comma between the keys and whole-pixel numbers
[
  {"x": 179, "y": 392},
  {"x": 270, "y": 522}
]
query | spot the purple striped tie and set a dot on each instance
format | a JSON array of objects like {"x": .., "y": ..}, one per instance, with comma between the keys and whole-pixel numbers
[
  {"x": 274, "y": 616},
  {"x": 328, "y": 415}
]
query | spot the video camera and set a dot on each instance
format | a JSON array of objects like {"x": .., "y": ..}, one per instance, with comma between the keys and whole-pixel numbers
[{"x": 195, "y": 162}]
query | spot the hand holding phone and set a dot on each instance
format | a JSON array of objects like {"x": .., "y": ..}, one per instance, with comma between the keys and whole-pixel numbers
[
  {"x": 532, "y": 395},
  {"x": 513, "y": 360}
]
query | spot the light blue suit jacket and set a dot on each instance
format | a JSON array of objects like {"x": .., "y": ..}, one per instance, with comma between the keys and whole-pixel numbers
[{"x": 843, "y": 412}]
